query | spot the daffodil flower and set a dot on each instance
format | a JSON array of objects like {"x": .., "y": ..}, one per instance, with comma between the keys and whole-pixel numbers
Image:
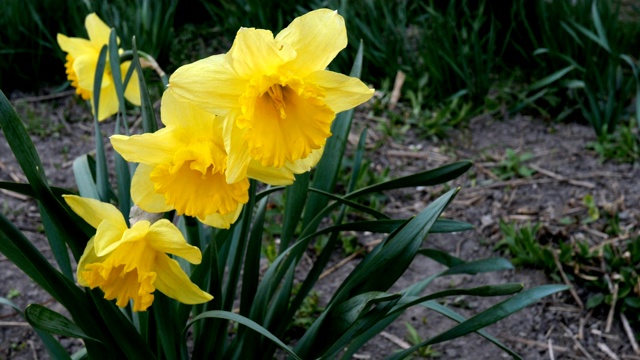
[
  {"x": 183, "y": 166},
  {"x": 82, "y": 60},
  {"x": 275, "y": 95},
  {"x": 131, "y": 263}
]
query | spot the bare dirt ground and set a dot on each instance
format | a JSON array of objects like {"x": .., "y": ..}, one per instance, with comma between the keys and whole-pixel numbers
[{"x": 554, "y": 328}]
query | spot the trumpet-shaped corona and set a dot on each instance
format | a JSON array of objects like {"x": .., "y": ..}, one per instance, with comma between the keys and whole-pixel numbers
[
  {"x": 81, "y": 64},
  {"x": 131, "y": 263},
  {"x": 182, "y": 166},
  {"x": 276, "y": 99}
]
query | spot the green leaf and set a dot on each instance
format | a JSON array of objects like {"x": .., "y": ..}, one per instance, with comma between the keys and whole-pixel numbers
[
  {"x": 595, "y": 300},
  {"x": 123, "y": 176},
  {"x": 357, "y": 161},
  {"x": 114, "y": 62},
  {"x": 480, "y": 266},
  {"x": 354, "y": 205},
  {"x": 379, "y": 319},
  {"x": 595, "y": 38},
  {"x": 53, "y": 347},
  {"x": 52, "y": 322},
  {"x": 21, "y": 252},
  {"x": 441, "y": 257},
  {"x": 227, "y": 315},
  {"x": 149, "y": 124},
  {"x": 56, "y": 242},
  {"x": 435, "y": 306},
  {"x": 326, "y": 173},
  {"x": 345, "y": 314},
  {"x": 102, "y": 174},
  {"x": 379, "y": 270},
  {"x": 602, "y": 35},
  {"x": 295, "y": 200},
  {"x": 634, "y": 68},
  {"x": 83, "y": 171},
  {"x": 487, "y": 317},
  {"x": 449, "y": 226},
  {"x": 426, "y": 178},
  {"x": 548, "y": 80}
]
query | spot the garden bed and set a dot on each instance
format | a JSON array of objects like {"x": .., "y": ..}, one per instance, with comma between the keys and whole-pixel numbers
[{"x": 565, "y": 172}]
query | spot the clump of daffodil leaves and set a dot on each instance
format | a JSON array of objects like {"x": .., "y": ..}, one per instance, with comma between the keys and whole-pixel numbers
[{"x": 261, "y": 111}]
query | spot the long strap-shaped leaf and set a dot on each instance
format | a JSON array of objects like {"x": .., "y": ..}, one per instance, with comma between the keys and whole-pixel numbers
[
  {"x": 487, "y": 317},
  {"x": 29, "y": 161},
  {"x": 54, "y": 348},
  {"x": 227, "y": 315}
]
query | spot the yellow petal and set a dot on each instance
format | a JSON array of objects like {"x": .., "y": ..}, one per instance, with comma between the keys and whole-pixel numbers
[
  {"x": 222, "y": 221},
  {"x": 306, "y": 164},
  {"x": 143, "y": 193},
  {"x": 284, "y": 175},
  {"x": 341, "y": 92},
  {"x": 210, "y": 82},
  {"x": 88, "y": 257},
  {"x": 75, "y": 46},
  {"x": 94, "y": 211},
  {"x": 269, "y": 174},
  {"x": 108, "y": 237},
  {"x": 137, "y": 232},
  {"x": 85, "y": 69},
  {"x": 98, "y": 31},
  {"x": 109, "y": 103},
  {"x": 164, "y": 237},
  {"x": 237, "y": 150},
  {"x": 189, "y": 117},
  {"x": 256, "y": 53},
  {"x": 150, "y": 148},
  {"x": 173, "y": 282},
  {"x": 317, "y": 37},
  {"x": 132, "y": 92}
]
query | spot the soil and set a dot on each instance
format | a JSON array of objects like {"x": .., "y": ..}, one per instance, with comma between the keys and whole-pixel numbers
[{"x": 554, "y": 328}]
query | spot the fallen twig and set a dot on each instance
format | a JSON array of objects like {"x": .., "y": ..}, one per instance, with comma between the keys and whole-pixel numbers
[
  {"x": 612, "y": 309},
  {"x": 577, "y": 343},
  {"x": 559, "y": 177},
  {"x": 396, "y": 340},
  {"x": 630, "y": 334},
  {"x": 605, "y": 349},
  {"x": 341, "y": 263},
  {"x": 538, "y": 344},
  {"x": 572, "y": 290},
  {"x": 45, "y": 97},
  {"x": 13, "y": 323},
  {"x": 397, "y": 89}
]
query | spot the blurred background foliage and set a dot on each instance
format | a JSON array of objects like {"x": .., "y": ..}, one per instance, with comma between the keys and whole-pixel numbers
[{"x": 560, "y": 60}]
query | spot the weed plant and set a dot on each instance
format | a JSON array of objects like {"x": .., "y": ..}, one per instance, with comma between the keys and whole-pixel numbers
[{"x": 608, "y": 271}]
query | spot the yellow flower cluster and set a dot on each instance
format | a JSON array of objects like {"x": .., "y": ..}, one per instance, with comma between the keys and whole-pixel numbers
[{"x": 262, "y": 111}]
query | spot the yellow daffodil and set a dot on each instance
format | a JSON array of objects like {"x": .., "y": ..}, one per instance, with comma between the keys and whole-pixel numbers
[
  {"x": 276, "y": 98},
  {"x": 82, "y": 60},
  {"x": 183, "y": 165},
  {"x": 131, "y": 263}
]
